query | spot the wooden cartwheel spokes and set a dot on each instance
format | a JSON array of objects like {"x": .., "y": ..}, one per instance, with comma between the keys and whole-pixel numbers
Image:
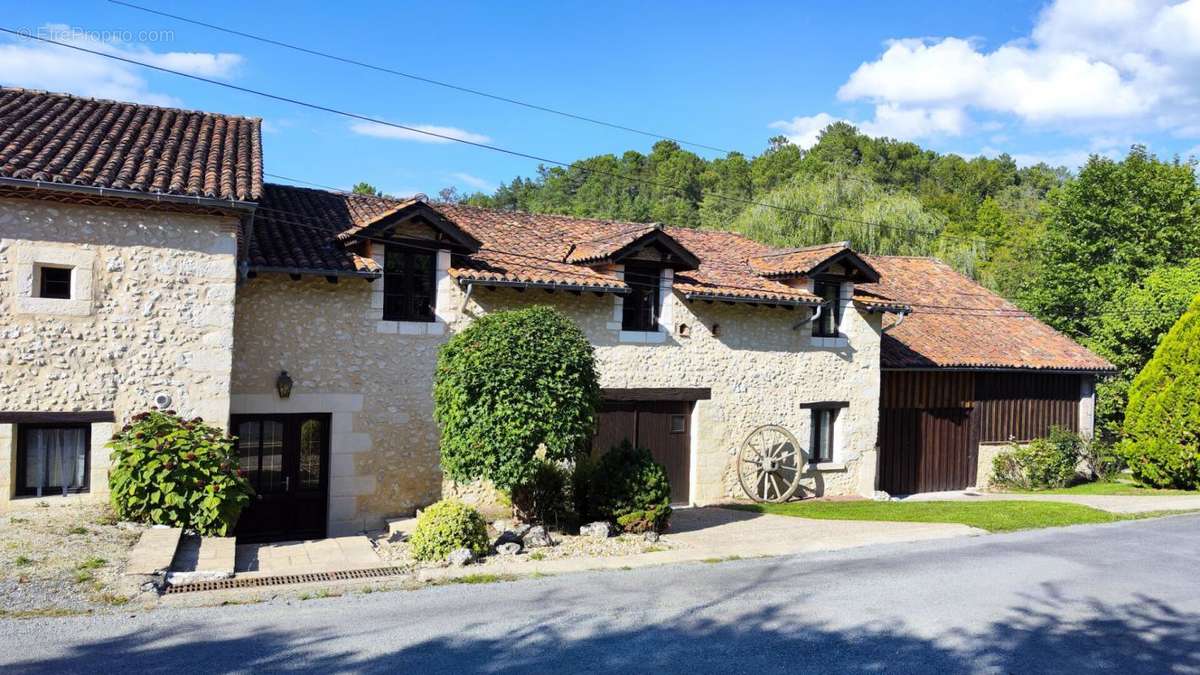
[{"x": 770, "y": 463}]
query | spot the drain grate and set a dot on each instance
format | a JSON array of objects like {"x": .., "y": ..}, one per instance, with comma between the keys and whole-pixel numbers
[{"x": 285, "y": 579}]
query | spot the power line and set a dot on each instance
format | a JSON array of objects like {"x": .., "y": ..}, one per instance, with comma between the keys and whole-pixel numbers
[
  {"x": 418, "y": 78},
  {"x": 487, "y": 146}
]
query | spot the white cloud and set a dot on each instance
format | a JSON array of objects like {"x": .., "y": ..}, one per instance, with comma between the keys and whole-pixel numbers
[
  {"x": 197, "y": 63},
  {"x": 444, "y": 134},
  {"x": 1086, "y": 66},
  {"x": 803, "y": 131},
  {"x": 1072, "y": 158},
  {"x": 890, "y": 120},
  {"x": 473, "y": 181},
  {"x": 39, "y": 65},
  {"x": 909, "y": 123}
]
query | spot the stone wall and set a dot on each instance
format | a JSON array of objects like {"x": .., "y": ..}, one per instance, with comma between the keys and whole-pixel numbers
[
  {"x": 151, "y": 313},
  {"x": 986, "y": 456},
  {"x": 760, "y": 367}
]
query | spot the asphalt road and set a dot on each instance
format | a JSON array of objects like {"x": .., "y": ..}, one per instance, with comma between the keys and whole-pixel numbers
[{"x": 1121, "y": 598}]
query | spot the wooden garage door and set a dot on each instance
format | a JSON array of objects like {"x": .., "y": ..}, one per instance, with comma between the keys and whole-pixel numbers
[
  {"x": 662, "y": 427},
  {"x": 925, "y": 450}
]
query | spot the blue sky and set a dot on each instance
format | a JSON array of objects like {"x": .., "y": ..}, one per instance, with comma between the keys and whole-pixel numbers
[{"x": 1041, "y": 81}]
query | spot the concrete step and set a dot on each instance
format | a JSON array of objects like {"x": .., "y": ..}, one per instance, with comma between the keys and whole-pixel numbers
[
  {"x": 154, "y": 551},
  {"x": 202, "y": 559}
]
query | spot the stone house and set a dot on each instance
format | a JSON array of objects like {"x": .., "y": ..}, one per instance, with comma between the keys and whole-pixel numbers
[{"x": 144, "y": 262}]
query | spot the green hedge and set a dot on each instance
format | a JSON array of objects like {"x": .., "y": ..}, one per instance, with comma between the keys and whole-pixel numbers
[
  {"x": 168, "y": 471},
  {"x": 1162, "y": 422},
  {"x": 512, "y": 388}
]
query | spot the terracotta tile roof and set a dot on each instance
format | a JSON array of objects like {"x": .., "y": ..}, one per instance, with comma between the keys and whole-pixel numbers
[
  {"x": 535, "y": 242},
  {"x": 605, "y": 246},
  {"x": 108, "y": 144},
  {"x": 956, "y": 323},
  {"x": 300, "y": 228},
  {"x": 297, "y": 229},
  {"x": 795, "y": 261}
]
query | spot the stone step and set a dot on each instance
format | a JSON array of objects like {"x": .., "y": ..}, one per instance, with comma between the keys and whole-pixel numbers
[
  {"x": 202, "y": 559},
  {"x": 154, "y": 551}
]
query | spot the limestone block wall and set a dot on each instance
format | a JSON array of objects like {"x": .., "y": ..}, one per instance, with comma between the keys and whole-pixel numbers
[
  {"x": 151, "y": 313},
  {"x": 760, "y": 363}
]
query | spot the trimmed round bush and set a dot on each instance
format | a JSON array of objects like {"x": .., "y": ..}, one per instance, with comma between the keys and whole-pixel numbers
[
  {"x": 168, "y": 471},
  {"x": 448, "y": 525},
  {"x": 1162, "y": 422},
  {"x": 512, "y": 388},
  {"x": 630, "y": 489}
]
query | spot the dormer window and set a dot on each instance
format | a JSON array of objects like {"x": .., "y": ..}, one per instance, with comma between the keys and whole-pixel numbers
[
  {"x": 641, "y": 305},
  {"x": 827, "y": 323},
  {"x": 409, "y": 284}
]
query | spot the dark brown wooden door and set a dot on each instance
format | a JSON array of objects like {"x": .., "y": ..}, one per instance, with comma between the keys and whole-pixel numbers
[
  {"x": 286, "y": 459},
  {"x": 662, "y": 427},
  {"x": 927, "y": 450}
]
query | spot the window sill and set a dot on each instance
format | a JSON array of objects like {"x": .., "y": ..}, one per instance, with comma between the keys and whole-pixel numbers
[
  {"x": 827, "y": 466},
  {"x": 642, "y": 337},
  {"x": 830, "y": 342},
  {"x": 435, "y": 328}
]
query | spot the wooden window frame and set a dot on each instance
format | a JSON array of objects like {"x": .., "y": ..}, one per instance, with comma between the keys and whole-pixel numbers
[
  {"x": 42, "y": 282},
  {"x": 400, "y": 287},
  {"x": 816, "y": 457},
  {"x": 645, "y": 284},
  {"x": 832, "y": 308},
  {"x": 21, "y": 490},
  {"x": 683, "y": 428}
]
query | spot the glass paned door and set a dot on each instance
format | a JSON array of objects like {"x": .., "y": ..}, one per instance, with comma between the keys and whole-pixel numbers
[{"x": 286, "y": 459}]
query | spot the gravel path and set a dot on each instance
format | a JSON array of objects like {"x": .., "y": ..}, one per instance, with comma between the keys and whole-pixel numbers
[{"x": 62, "y": 559}]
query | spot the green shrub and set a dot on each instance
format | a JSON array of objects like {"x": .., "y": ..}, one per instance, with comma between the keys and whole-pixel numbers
[
  {"x": 1042, "y": 463},
  {"x": 1162, "y": 422},
  {"x": 510, "y": 388},
  {"x": 448, "y": 525},
  {"x": 649, "y": 520},
  {"x": 581, "y": 486},
  {"x": 627, "y": 483},
  {"x": 544, "y": 498},
  {"x": 1102, "y": 459},
  {"x": 168, "y": 471}
]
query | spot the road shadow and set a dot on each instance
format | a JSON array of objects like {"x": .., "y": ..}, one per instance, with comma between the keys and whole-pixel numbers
[{"x": 1047, "y": 633}]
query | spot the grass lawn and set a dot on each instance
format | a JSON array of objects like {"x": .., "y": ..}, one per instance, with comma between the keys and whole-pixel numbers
[
  {"x": 1114, "y": 488},
  {"x": 993, "y": 516}
]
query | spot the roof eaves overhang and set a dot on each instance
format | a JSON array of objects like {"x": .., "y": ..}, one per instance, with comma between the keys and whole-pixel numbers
[
  {"x": 136, "y": 195},
  {"x": 1002, "y": 369},
  {"x": 547, "y": 285},
  {"x": 308, "y": 271},
  {"x": 719, "y": 297}
]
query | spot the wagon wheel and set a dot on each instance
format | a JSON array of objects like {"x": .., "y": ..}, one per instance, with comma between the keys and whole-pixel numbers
[{"x": 769, "y": 464}]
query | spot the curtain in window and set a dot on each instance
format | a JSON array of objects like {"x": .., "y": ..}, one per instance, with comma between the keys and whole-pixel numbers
[{"x": 55, "y": 458}]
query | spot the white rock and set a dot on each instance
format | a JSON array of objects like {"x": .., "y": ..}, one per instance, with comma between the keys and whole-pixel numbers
[
  {"x": 460, "y": 557},
  {"x": 597, "y": 530}
]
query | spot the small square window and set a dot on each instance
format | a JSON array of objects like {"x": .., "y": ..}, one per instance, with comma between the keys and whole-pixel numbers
[
  {"x": 678, "y": 424},
  {"x": 54, "y": 282}
]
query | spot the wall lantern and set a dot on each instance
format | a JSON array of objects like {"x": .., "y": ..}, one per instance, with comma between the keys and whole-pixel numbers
[{"x": 283, "y": 385}]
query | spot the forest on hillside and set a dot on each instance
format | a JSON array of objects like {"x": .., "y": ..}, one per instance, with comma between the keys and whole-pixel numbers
[{"x": 1109, "y": 256}]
